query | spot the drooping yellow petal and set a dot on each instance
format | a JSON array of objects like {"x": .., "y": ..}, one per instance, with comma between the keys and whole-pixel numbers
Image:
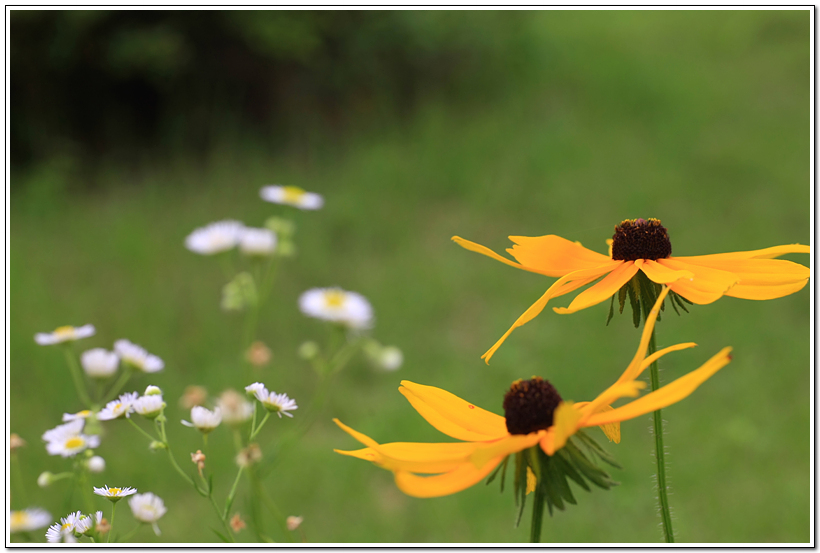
[
  {"x": 483, "y": 250},
  {"x": 662, "y": 275},
  {"x": 629, "y": 388},
  {"x": 759, "y": 279},
  {"x": 665, "y": 396},
  {"x": 448, "y": 483},
  {"x": 565, "y": 423},
  {"x": 539, "y": 305},
  {"x": 646, "y": 336},
  {"x": 611, "y": 429},
  {"x": 768, "y": 292},
  {"x": 554, "y": 256},
  {"x": 452, "y": 415},
  {"x": 416, "y": 457},
  {"x": 512, "y": 443},
  {"x": 765, "y": 253},
  {"x": 603, "y": 290},
  {"x": 657, "y": 355},
  {"x": 708, "y": 285}
]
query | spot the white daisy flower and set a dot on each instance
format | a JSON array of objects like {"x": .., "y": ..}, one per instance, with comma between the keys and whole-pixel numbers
[
  {"x": 337, "y": 305},
  {"x": 214, "y": 238},
  {"x": 67, "y": 440},
  {"x": 291, "y": 195},
  {"x": 99, "y": 362},
  {"x": 84, "y": 414},
  {"x": 87, "y": 522},
  {"x": 149, "y": 406},
  {"x": 64, "y": 531},
  {"x": 96, "y": 464},
  {"x": 276, "y": 403},
  {"x": 114, "y": 494},
  {"x": 235, "y": 408},
  {"x": 120, "y": 407},
  {"x": 29, "y": 519},
  {"x": 64, "y": 334},
  {"x": 257, "y": 241},
  {"x": 203, "y": 419},
  {"x": 137, "y": 357},
  {"x": 253, "y": 388},
  {"x": 147, "y": 508}
]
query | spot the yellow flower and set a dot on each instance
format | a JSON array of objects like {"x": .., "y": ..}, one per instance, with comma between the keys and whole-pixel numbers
[
  {"x": 643, "y": 245},
  {"x": 534, "y": 415}
]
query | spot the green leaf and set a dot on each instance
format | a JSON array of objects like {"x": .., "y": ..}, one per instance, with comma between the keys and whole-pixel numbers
[{"x": 221, "y": 536}]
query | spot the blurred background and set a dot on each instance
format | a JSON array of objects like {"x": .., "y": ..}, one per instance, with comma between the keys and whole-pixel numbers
[{"x": 131, "y": 128}]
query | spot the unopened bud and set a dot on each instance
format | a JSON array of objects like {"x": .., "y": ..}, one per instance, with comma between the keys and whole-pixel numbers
[
  {"x": 258, "y": 354},
  {"x": 103, "y": 526},
  {"x": 293, "y": 522},
  {"x": 248, "y": 456},
  {"x": 152, "y": 391},
  {"x": 155, "y": 445},
  {"x": 198, "y": 459},
  {"x": 237, "y": 523},
  {"x": 96, "y": 464},
  {"x": 193, "y": 396},
  {"x": 16, "y": 442},
  {"x": 308, "y": 350},
  {"x": 45, "y": 479}
]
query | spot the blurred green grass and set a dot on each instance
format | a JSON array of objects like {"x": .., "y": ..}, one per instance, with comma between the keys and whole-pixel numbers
[{"x": 696, "y": 118}]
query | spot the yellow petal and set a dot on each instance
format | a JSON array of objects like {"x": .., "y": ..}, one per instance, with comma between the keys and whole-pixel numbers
[
  {"x": 512, "y": 443},
  {"x": 765, "y": 253},
  {"x": 657, "y": 355},
  {"x": 706, "y": 286},
  {"x": 483, "y": 250},
  {"x": 667, "y": 395},
  {"x": 448, "y": 483},
  {"x": 611, "y": 429},
  {"x": 452, "y": 415},
  {"x": 417, "y": 457},
  {"x": 554, "y": 256},
  {"x": 602, "y": 291},
  {"x": 538, "y": 306},
  {"x": 565, "y": 423},
  {"x": 663, "y": 275},
  {"x": 768, "y": 292}
]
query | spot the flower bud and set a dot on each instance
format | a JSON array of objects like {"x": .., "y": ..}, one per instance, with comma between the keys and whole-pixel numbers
[
  {"x": 45, "y": 479},
  {"x": 96, "y": 464},
  {"x": 152, "y": 391},
  {"x": 16, "y": 442},
  {"x": 293, "y": 522},
  {"x": 155, "y": 445},
  {"x": 308, "y": 350}
]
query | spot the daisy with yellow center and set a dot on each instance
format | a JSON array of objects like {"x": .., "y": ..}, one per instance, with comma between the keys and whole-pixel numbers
[
  {"x": 339, "y": 306},
  {"x": 68, "y": 440},
  {"x": 28, "y": 520},
  {"x": 536, "y": 419},
  {"x": 291, "y": 195},
  {"x": 64, "y": 334},
  {"x": 114, "y": 494},
  {"x": 644, "y": 245}
]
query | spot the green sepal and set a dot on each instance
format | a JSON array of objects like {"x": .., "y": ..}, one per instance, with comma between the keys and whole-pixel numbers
[
  {"x": 504, "y": 472},
  {"x": 633, "y": 290},
  {"x": 521, "y": 485},
  {"x": 495, "y": 472},
  {"x": 611, "y": 309},
  {"x": 622, "y": 298},
  {"x": 594, "y": 447}
]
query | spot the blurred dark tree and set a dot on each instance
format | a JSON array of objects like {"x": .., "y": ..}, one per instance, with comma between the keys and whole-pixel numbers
[{"x": 87, "y": 83}]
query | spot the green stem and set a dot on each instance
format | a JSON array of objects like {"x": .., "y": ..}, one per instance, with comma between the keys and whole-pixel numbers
[
  {"x": 76, "y": 375},
  {"x": 657, "y": 425},
  {"x": 18, "y": 480},
  {"x": 229, "y": 500},
  {"x": 130, "y": 534},
  {"x": 537, "y": 515},
  {"x": 111, "y": 528},
  {"x": 144, "y": 433},
  {"x": 222, "y": 518},
  {"x": 173, "y": 459},
  {"x": 115, "y": 389},
  {"x": 267, "y": 280},
  {"x": 271, "y": 505},
  {"x": 258, "y": 428}
]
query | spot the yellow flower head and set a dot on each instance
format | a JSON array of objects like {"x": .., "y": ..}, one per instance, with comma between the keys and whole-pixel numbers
[
  {"x": 535, "y": 415},
  {"x": 644, "y": 245}
]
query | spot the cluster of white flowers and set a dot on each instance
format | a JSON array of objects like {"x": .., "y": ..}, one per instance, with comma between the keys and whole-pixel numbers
[
  {"x": 64, "y": 334},
  {"x": 137, "y": 357},
  {"x": 204, "y": 419},
  {"x": 68, "y": 440},
  {"x": 72, "y": 526},
  {"x": 222, "y": 236},
  {"x": 273, "y": 402},
  {"x": 339, "y": 306}
]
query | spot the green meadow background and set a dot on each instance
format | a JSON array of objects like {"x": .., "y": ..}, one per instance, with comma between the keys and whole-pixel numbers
[{"x": 577, "y": 120}]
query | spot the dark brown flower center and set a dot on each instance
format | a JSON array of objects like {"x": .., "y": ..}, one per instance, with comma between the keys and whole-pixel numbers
[
  {"x": 640, "y": 239},
  {"x": 529, "y": 405}
]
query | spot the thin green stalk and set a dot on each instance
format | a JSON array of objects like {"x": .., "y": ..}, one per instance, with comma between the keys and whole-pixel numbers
[
  {"x": 173, "y": 460},
  {"x": 76, "y": 375},
  {"x": 144, "y": 433},
  {"x": 537, "y": 515},
  {"x": 18, "y": 480},
  {"x": 224, "y": 522},
  {"x": 111, "y": 528},
  {"x": 256, "y": 485},
  {"x": 657, "y": 424},
  {"x": 130, "y": 534},
  {"x": 232, "y": 494},
  {"x": 258, "y": 428},
  {"x": 118, "y": 385}
]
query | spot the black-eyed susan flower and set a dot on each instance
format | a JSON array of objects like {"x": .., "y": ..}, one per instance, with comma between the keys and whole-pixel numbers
[
  {"x": 640, "y": 245},
  {"x": 537, "y": 423}
]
